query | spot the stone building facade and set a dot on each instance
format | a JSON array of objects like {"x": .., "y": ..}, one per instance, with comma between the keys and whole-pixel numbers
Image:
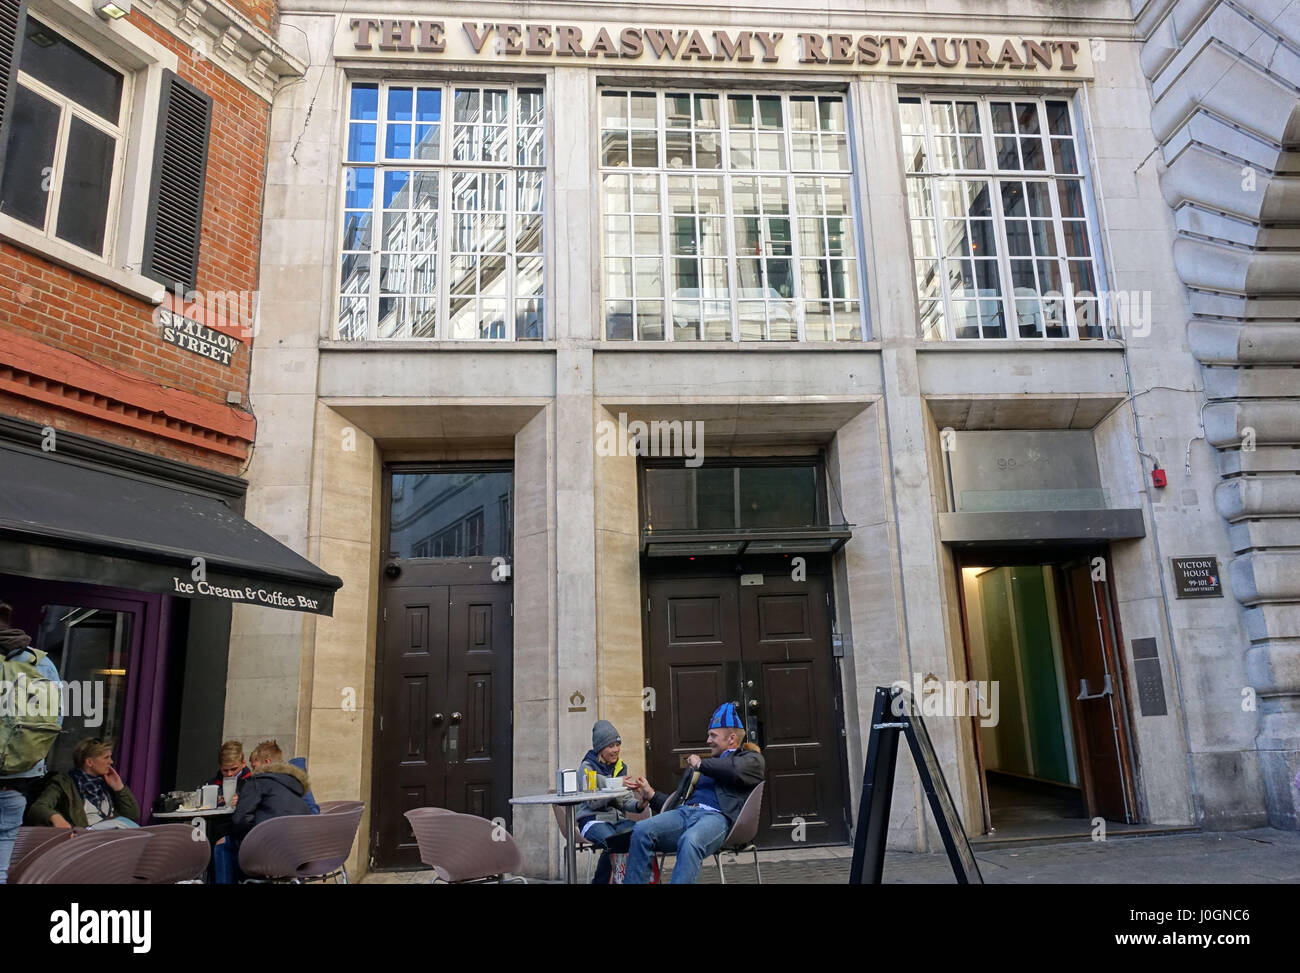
[{"x": 920, "y": 283}]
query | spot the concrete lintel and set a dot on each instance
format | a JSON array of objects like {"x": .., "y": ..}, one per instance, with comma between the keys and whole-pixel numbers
[{"x": 1015, "y": 527}]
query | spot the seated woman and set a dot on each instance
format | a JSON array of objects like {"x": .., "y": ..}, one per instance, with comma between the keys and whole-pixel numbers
[
  {"x": 231, "y": 763},
  {"x": 601, "y": 821},
  {"x": 93, "y": 795}
]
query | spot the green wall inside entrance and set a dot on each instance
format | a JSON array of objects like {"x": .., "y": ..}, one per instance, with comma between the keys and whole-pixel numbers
[{"x": 1018, "y": 633}]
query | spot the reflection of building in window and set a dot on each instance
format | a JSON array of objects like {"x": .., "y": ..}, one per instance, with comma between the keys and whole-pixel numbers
[
  {"x": 462, "y": 539},
  {"x": 503, "y": 514},
  {"x": 999, "y": 220},
  {"x": 732, "y": 219},
  {"x": 452, "y": 514},
  {"x": 442, "y": 223}
]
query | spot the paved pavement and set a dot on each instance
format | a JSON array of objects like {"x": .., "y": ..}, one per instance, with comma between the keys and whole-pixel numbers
[{"x": 1261, "y": 856}]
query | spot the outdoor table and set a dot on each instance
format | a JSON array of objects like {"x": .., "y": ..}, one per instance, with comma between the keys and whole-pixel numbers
[
  {"x": 570, "y": 803},
  {"x": 214, "y": 831}
]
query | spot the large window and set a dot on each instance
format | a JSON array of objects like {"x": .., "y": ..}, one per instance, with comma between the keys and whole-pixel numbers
[
  {"x": 727, "y": 216},
  {"x": 450, "y": 514},
  {"x": 65, "y": 142},
  {"x": 442, "y": 221},
  {"x": 999, "y": 219}
]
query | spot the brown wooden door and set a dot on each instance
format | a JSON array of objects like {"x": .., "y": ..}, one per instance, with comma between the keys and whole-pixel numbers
[
  {"x": 445, "y": 723},
  {"x": 1091, "y": 672},
  {"x": 694, "y": 666},
  {"x": 791, "y": 708},
  {"x": 767, "y": 649}
]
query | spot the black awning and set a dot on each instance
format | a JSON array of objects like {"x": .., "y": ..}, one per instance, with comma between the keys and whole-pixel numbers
[
  {"x": 65, "y": 520},
  {"x": 825, "y": 539}
]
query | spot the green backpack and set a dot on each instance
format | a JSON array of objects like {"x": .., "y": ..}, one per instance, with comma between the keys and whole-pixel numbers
[{"x": 29, "y": 713}]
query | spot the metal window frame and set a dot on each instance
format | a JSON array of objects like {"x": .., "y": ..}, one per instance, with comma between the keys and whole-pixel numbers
[
  {"x": 446, "y": 166},
  {"x": 995, "y": 177},
  {"x": 788, "y": 174}
]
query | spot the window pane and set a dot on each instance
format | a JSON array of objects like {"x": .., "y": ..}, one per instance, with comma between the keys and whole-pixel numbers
[
  {"x": 449, "y": 514},
  {"x": 778, "y": 496},
  {"x": 87, "y": 180},
  {"x": 24, "y": 191},
  {"x": 70, "y": 71},
  {"x": 364, "y": 103}
]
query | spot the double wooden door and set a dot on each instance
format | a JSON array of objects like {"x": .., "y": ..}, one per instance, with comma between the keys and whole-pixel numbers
[
  {"x": 445, "y": 723},
  {"x": 765, "y": 647}
]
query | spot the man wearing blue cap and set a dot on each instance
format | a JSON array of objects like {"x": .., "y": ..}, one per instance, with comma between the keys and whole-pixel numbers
[{"x": 712, "y": 795}]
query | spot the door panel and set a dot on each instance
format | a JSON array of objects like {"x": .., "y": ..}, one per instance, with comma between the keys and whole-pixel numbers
[
  {"x": 445, "y": 733},
  {"x": 791, "y": 708},
  {"x": 1090, "y": 657},
  {"x": 694, "y": 665},
  {"x": 766, "y": 648},
  {"x": 478, "y": 718}
]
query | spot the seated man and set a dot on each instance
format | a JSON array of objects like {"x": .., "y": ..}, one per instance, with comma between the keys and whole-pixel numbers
[
  {"x": 600, "y": 821},
  {"x": 710, "y": 801}
]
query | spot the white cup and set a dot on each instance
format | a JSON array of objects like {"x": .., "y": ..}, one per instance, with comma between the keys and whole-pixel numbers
[
  {"x": 209, "y": 795},
  {"x": 228, "y": 789}
]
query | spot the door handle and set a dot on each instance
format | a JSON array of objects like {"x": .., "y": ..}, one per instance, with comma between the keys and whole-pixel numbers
[
  {"x": 1106, "y": 689},
  {"x": 437, "y": 719},
  {"x": 455, "y": 718},
  {"x": 753, "y": 704}
]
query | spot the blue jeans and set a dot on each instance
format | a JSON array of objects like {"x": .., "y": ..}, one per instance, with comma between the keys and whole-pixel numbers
[
  {"x": 692, "y": 832},
  {"x": 12, "y": 805},
  {"x": 597, "y": 834}
]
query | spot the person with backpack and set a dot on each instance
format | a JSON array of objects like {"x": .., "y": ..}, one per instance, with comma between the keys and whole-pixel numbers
[{"x": 30, "y": 720}]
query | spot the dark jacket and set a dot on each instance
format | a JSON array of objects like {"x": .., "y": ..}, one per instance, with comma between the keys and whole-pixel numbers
[
  {"x": 611, "y": 812},
  {"x": 61, "y": 796},
  {"x": 734, "y": 776},
  {"x": 272, "y": 792}
]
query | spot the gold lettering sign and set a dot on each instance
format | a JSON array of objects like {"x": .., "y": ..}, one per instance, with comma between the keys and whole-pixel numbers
[{"x": 651, "y": 46}]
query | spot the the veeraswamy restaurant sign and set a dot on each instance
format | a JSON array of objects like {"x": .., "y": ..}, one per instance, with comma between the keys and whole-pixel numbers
[{"x": 643, "y": 45}]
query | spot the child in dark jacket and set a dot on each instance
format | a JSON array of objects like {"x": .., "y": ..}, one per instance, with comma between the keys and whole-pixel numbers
[{"x": 275, "y": 789}]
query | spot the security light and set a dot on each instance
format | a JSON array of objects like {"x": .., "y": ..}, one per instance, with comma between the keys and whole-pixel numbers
[{"x": 112, "y": 9}]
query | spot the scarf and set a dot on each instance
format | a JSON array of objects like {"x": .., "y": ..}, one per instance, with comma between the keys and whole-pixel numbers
[{"x": 93, "y": 789}]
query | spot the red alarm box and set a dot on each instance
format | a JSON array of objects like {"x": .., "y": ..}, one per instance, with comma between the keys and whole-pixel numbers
[{"x": 1158, "y": 477}]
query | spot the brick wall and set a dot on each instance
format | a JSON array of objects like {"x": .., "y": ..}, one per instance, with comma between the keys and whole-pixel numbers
[{"x": 113, "y": 335}]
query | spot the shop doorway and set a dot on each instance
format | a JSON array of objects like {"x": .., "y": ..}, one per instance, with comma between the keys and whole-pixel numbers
[
  {"x": 1044, "y": 632},
  {"x": 445, "y": 654},
  {"x": 761, "y": 639}
]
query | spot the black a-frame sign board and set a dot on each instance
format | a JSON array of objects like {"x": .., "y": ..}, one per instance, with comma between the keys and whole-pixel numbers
[{"x": 895, "y": 713}]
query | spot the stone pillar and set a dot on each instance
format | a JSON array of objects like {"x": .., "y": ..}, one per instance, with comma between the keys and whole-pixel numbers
[
  {"x": 1228, "y": 123},
  {"x": 536, "y": 669},
  {"x": 266, "y": 647}
]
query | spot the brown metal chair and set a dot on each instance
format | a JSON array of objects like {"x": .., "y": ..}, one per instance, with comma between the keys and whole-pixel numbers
[
  {"x": 463, "y": 847},
  {"x": 174, "y": 855},
  {"x": 579, "y": 842},
  {"x": 300, "y": 847},
  {"x": 741, "y": 836},
  {"x": 101, "y": 858},
  {"x": 29, "y": 844},
  {"x": 334, "y": 807}
]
